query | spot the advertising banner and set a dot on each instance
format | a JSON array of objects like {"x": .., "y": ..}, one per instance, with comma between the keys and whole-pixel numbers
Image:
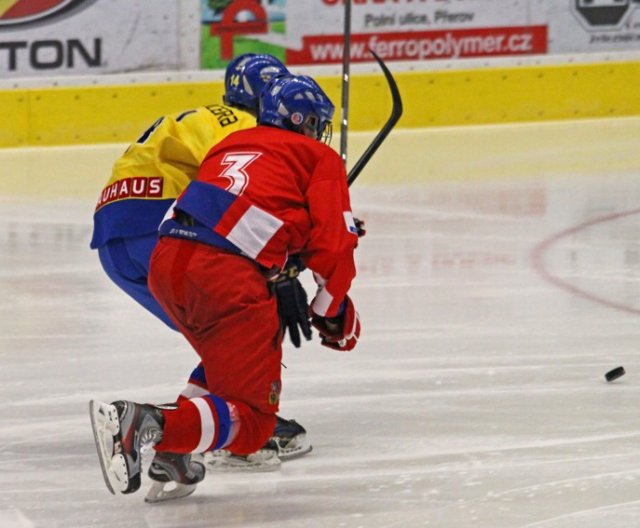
[
  {"x": 88, "y": 37},
  {"x": 308, "y": 32},
  {"x": 77, "y": 37}
]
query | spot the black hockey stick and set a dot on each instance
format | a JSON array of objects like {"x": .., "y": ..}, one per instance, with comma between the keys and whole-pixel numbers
[
  {"x": 396, "y": 113},
  {"x": 346, "y": 61}
]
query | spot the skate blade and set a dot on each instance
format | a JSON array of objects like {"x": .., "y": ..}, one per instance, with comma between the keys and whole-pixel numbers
[
  {"x": 296, "y": 448},
  {"x": 105, "y": 424},
  {"x": 158, "y": 493},
  {"x": 224, "y": 462}
]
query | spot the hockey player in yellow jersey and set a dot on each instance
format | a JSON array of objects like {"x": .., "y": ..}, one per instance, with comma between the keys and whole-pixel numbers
[
  {"x": 145, "y": 182},
  {"x": 159, "y": 165}
]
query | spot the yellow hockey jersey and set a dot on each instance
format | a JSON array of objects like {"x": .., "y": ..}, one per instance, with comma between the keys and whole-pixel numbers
[{"x": 155, "y": 169}]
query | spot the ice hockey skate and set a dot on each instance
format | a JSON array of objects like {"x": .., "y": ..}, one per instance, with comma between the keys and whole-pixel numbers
[
  {"x": 122, "y": 430},
  {"x": 223, "y": 461},
  {"x": 289, "y": 441},
  {"x": 173, "y": 476}
]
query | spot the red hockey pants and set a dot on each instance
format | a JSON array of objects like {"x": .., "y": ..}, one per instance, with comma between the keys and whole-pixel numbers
[{"x": 222, "y": 304}]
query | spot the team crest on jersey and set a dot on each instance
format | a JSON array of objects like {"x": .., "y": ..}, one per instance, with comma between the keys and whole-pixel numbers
[{"x": 274, "y": 393}]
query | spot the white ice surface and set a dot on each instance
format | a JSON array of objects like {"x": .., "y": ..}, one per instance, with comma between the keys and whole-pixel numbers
[{"x": 491, "y": 310}]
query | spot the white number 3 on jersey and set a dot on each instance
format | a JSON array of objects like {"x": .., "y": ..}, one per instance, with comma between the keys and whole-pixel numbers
[{"x": 236, "y": 163}]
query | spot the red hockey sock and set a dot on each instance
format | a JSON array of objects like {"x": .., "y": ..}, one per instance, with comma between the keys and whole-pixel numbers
[{"x": 196, "y": 426}]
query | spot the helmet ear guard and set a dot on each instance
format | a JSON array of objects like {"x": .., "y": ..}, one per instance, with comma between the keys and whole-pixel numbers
[
  {"x": 297, "y": 103},
  {"x": 312, "y": 126}
]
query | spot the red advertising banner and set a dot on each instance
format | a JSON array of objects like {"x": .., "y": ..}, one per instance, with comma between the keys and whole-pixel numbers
[{"x": 424, "y": 45}]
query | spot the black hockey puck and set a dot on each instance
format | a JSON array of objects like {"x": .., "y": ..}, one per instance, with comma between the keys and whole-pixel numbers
[{"x": 614, "y": 374}]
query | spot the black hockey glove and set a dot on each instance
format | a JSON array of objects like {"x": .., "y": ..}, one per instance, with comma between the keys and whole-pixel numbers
[{"x": 293, "y": 307}]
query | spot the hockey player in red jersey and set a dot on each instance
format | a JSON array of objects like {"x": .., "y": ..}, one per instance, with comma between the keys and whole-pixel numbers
[
  {"x": 261, "y": 194},
  {"x": 145, "y": 182}
]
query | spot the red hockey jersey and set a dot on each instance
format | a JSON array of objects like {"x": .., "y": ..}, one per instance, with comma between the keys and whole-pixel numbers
[{"x": 269, "y": 193}]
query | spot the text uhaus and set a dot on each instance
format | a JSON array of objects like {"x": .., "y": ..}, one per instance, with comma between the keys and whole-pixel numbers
[{"x": 131, "y": 188}]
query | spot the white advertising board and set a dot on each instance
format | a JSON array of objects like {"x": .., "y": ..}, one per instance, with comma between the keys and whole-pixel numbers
[
  {"x": 58, "y": 37},
  {"x": 89, "y": 37}
]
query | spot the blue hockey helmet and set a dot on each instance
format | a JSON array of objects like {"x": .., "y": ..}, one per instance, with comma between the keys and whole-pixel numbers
[
  {"x": 297, "y": 103},
  {"x": 245, "y": 77}
]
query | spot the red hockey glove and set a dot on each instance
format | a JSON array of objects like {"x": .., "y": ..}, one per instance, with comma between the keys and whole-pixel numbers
[{"x": 339, "y": 333}]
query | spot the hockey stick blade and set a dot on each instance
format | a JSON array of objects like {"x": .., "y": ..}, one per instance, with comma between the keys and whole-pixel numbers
[{"x": 396, "y": 113}]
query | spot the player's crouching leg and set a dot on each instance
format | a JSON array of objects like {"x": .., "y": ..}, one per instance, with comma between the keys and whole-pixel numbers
[
  {"x": 242, "y": 455},
  {"x": 122, "y": 430},
  {"x": 288, "y": 440}
]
